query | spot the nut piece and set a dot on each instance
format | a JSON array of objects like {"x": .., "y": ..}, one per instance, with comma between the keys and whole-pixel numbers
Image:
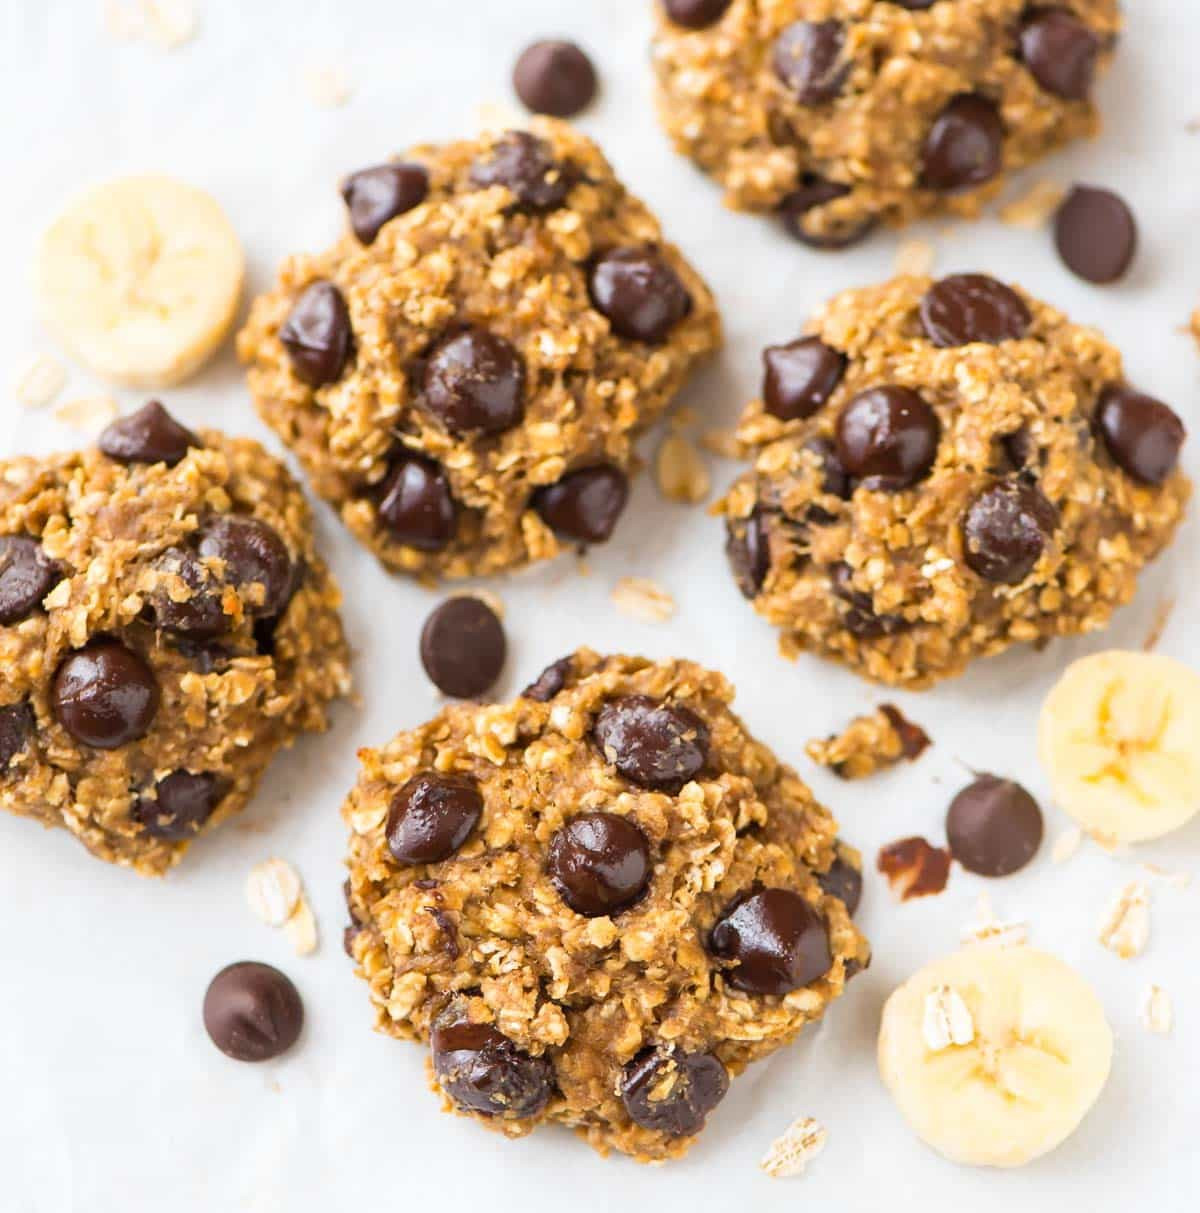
[
  {"x": 795, "y": 1149},
  {"x": 1125, "y": 929},
  {"x": 947, "y": 1020},
  {"x": 1156, "y": 1011},
  {"x": 681, "y": 471},
  {"x": 273, "y": 890},
  {"x": 643, "y": 599}
]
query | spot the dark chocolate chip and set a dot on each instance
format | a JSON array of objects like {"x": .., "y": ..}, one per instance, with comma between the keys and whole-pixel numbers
[
  {"x": 105, "y": 695},
  {"x": 973, "y": 307},
  {"x": 475, "y": 381},
  {"x": 859, "y": 617},
  {"x": 748, "y": 549},
  {"x": 965, "y": 145},
  {"x": 836, "y": 481},
  {"x": 696, "y": 14},
  {"x": 1060, "y": 52},
  {"x": 843, "y": 881},
  {"x": 375, "y": 195},
  {"x": 549, "y": 682},
  {"x": 1096, "y": 234},
  {"x": 1019, "y": 447},
  {"x": 888, "y": 436},
  {"x": 814, "y": 192},
  {"x": 914, "y": 741},
  {"x": 150, "y": 435},
  {"x": 182, "y": 803},
  {"x": 317, "y": 335},
  {"x": 526, "y": 166},
  {"x": 651, "y": 743},
  {"x": 17, "y": 723},
  {"x": 415, "y": 504},
  {"x": 599, "y": 863},
  {"x": 914, "y": 6},
  {"x": 483, "y": 1071},
  {"x": 27, "y": 575},
  {"x": 201, "y": 615},
  {"x": 914, "y": 868},
  {"x": 1006, "y": 529},
  {"x": 672, "y": 1092},
  {"x": 253, "y": 1012},
  {"x": 463, "y": 647},
  {"x": 1143, "y": 435},
  {"x": 994, "y": 826},
  {"x": 584, "y": 505},
  {"x": 807, "y": 59},
  {"x": 555, "y": 77},
  {"x": 253, "y": 554},
  {"x": 775, "y": 940},
  {"x": 431, "y": 816},
  {"x": 800, "y": 377},
  {"x": 639, "y": 292}
]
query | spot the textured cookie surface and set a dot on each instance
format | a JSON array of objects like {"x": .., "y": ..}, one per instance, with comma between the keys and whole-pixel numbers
[
  {"x": 941, "y": 470},
  {"x": 164, "y": 628},
  {"x": 464, "y": 372},
  {"x": 596, "y": 903},
  {"x": 844, "y": 113}
]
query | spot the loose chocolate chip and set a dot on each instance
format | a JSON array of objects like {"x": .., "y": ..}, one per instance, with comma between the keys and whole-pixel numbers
[
  {"x": 555, "y": 77},
  {"x": 1060, "y": 52},
  {"x": 672, "y": 1092},
  {"x": 182, "y": 803},
  {"x": 776, "y": 941},
  {"x": 807, "y": 58},
  {"x": 415, "y": 504},
  {"x": 973, "y": 307},
  {"x": 914, "y": 741},
  {"x": 1143, "y": 435},
  {"x": 253, "y": 1012},
  {"x": 696, "y": 14},
  {"x": 813, "y": 192},
  {"x": 525, "y": 165},
  {"x": 201, "y": 615},
  {"x": 17, "y": 723},
  {"x": 748, "y": 550},
  {"x": 475, "y": 381},
  {"x": 639, "y": 293},
  {"x": 584, "y": 505},
  {"x": 431, "y": 816},
  {"x": 375, "y": 195},
  {"x": 317, "y": 335},
  {"x": 800, "y": 377},
  {"x": 914, "y": 868},
  {"x": 27, "y": 575},
  {"x": 994, "y": 826},
  {"x": 859, "y": 617},
  {"x": 253, "y": 554},
  {"x": 888, "y": 436},
  {"x": 483, "y": 1071},
  {"x": 653, "y": 744},
  {"x": 463, "y": 647},
  {"x": 1096, "y": 234},
  {"x": 151, "y": 435},
  {"x": 1006, "y": 529},
  {"x": 843, "y": 881},
  {"x": 599, "y": 863},
  {"x": 105, "y": 695},
  {"x": 549, "y": 682},
  {"x": 965, "y": 145},
  {"x": 836, "y": 480}
]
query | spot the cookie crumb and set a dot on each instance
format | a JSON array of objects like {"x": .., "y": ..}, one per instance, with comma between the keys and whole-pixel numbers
[
  {"x": 1066, "y": 845},
  {"x": 643, "y": 599},
  {"x": 869, "y": 744},
  {"x": 681, "y": 472},
  {"x": 1033, "y": 208},
  {"x": 1125, "y": 929},
  {"x": 87, "y": 413},
  {"x": 273, "y": 891},
  {"x": 327, "y": 85},
  {"x": 39, "y": 382},
  {"x": 790, "y": 1153},
  {"x": 1156, "y": 1011},
  {"x": 915, "y": 258},
  {"x": 947, "y": 1020}
]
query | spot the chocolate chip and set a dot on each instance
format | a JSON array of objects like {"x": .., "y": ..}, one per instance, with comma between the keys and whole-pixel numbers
[
  {"x": 182, "y": 803},
  {"x": 105, "y": 695},
  {"x": 807, "y": 58},
  {"x": 27, "y": 575},
  {"x": 696, "y": 14},
  {"x": 639, "y": 292},
  {"x": 150, "y": 435},
  {"x": 483, "y": 1071},
  {"x": 843, "y": 881},
  {"x": 813, "y": 192},
  {"x": 599, "y": 863},
  {"x": 1019, "y": 447},
  {"x": 1060, "y": 52},
  {"x": 1006, "y": 529},
  {"x": 253, "y": 1012},
  {"x": 776, "y": 941},
  {"x": 475, "y": 381},
  {"x": 584, "y": 505},
  {"x": 965, "y": 145},
  {"x": 463, "y": 647},
  {"x": 431, "y": 816},
  {"x": 375, "y": 195},
  {"x": 800, "y": 377},
  {"x": 201, "y": 615},
  {"x": 1096, "y": 234},
  {"x": 651, "y": 743},
  {"x": 526, "y": 166},
  {"x": 317, "y": 335},
  {"x": 1143, "y": 435},
  {"x": 836, "y": 481},
  {"x": 888, "y": 436},
  {"x": 17, "y": 723},
  {"x": 672, "y": 1092},
  {"x": 415, "y": 504},
  {"x": 253, "y": 554},
  {"x": 914, "y": 741},
  {"x": 973, "y": 307},
  {"x": 555, "y": 77},
  {"x": 994, "y": 826},
  {"x": 549, "y": 682},
  {"x": 914, "y": 6},
  {"x": 860, "y": 618},
  {"x": 748, "y": 550},
  {"x": 914, "y": 868}
]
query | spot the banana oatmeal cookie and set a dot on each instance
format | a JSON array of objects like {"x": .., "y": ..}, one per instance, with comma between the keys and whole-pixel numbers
[
  {"x": 596, "y": 903},
  {"x": 943, "y": 469},
  {"x": 464, "y": 373},
  {"x": 165, "y": 626},
  {"x": 841, "y": 113}
]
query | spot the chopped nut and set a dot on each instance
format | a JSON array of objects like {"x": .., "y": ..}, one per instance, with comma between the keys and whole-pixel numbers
[
  {"x": 273, "y": 890},
  {"x": 915, "y": 257},
  {"x": 327, "y": 85},
  {"x": 681, "y": 471},
  {"x": 643, "y": 599},
  {"x": 39, "y": 382},
  {"x": 1156, "y": 1011},
  {"x": 1034, "y": 208},
  {"x": 301, "y": 928},
  {"x": 722, "y": 443},
  {"x": 947, "y": 1020},
  {"x": 795, "y": 1149},
  {"x": 88, "y": 413},
  {"x": 1066, "y": 844},
  {"x": 1125, "y": 929}
]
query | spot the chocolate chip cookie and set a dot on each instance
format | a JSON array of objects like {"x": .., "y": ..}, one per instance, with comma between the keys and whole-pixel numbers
[
  {"x": 165, "y": 626},
  {"x": 943, "y": 469},
  {"x": 463, "y": 374},
  {"x": 839, "y": 114},
  {"x": 598, "y": 903}
]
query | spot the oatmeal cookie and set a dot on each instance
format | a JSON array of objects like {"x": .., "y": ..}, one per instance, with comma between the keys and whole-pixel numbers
[
  {"x": 165, "y": 626},
  {"x": 596, "y": 903},
  {"x": 464, "y": 373},
  {"x": 943, "y": 469},
  {"x": 840, "y": 114}
]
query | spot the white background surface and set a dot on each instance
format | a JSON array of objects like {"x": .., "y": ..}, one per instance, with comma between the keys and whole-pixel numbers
[{"x": 112, "y": 1100}]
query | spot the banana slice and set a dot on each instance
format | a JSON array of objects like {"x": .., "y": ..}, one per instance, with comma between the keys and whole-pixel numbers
[
  {"x": 1120, "y": 739},
  {"x": 1034, "y": 1055},
  {"x": 140, "y": 279}
]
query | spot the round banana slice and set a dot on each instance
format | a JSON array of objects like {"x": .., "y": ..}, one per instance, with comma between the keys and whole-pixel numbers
[
  {"x": 140, "y": 279},
  {"x": 1120, "y": 738},
  {"x": 994, "y": 1055}
]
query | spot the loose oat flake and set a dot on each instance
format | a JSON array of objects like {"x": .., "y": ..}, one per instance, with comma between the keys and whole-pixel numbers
[
  {"x": 39, "y": 382},
  {"x": 641, "y": 598},
  {"x": 722, "y": 443},
  {"x": 327, "y": 85},
  {"x": 1066, "y": 844},
  {"x": 990, "y": 931},
  {"x": 795, "y": 1149},
  {"x": 1156, "y": 1011},
  {"x": 1034, "y": 208},
  {"x": 273, "y": 890},
  {"x": 87, "y": 413},
  {"x": 915, "y": 257},
  {"x": 681, "y": 471},
  {"x": 947, "y": 1020},
  {"x": 1125, "y": 929},
  {"x": 1180, "y": 880},
  {"x": 301, "y": 929}
]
